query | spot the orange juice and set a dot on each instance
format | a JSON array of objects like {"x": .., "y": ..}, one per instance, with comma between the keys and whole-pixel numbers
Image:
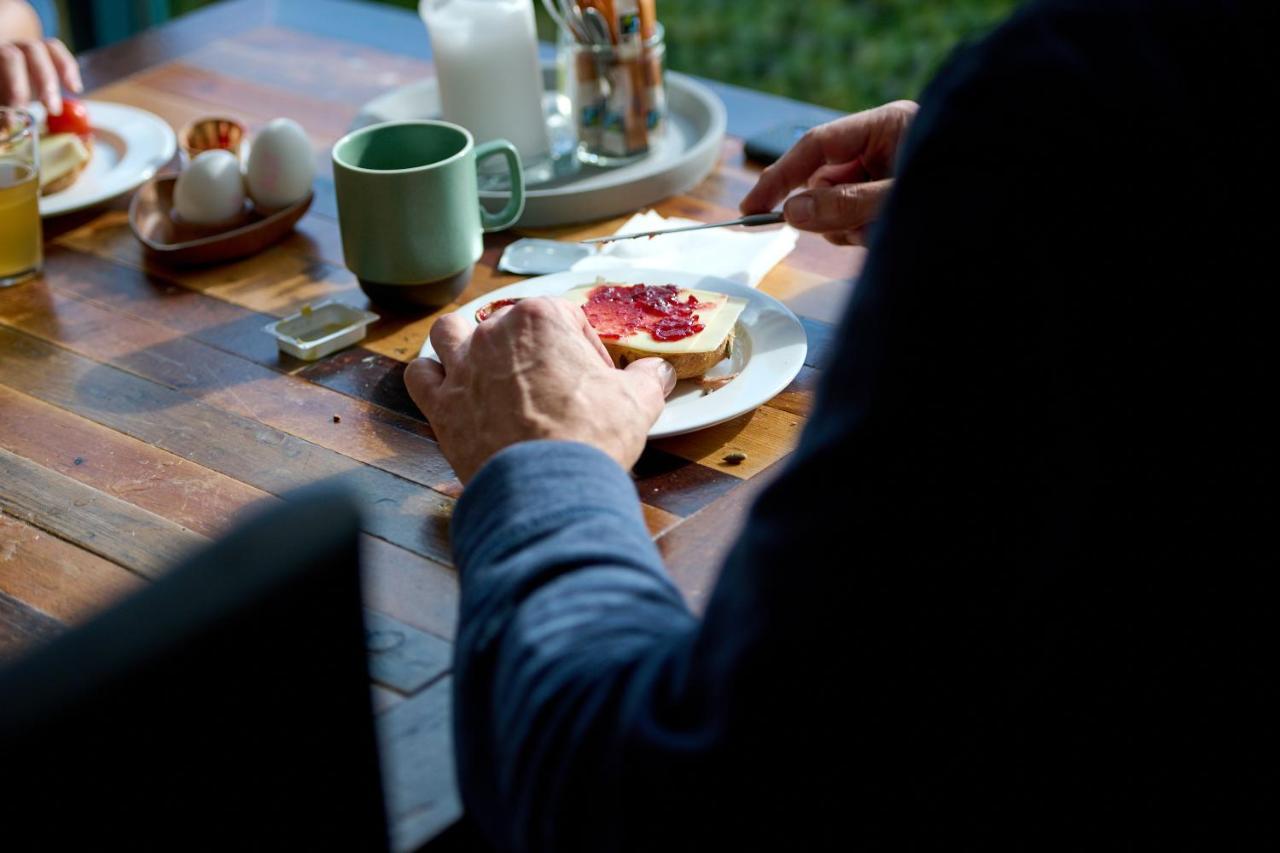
[{"x": 20, "y": 244}]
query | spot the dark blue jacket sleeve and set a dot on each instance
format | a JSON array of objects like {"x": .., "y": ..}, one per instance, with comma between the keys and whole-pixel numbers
[{"x": 555, "y": 561}]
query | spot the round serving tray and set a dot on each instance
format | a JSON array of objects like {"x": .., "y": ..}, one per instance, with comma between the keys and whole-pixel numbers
[{"x": 687, "y": 153}]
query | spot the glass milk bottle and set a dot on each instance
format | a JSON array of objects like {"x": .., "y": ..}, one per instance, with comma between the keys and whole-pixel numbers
[{"x": 487, "y": 68}]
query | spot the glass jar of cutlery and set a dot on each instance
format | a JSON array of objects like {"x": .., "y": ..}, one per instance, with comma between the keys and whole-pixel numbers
[{"x": 613, "y": 82}]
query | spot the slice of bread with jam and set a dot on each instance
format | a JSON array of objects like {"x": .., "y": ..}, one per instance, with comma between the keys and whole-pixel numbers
[{"x": 692, "y": 330}]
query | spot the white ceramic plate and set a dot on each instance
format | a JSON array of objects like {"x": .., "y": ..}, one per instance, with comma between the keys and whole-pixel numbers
[
  {"x": 129, "y": 146},
  {"x": 768, "y": 352}
]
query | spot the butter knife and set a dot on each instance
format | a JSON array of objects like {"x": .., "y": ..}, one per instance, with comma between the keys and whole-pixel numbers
[{"x": 754, "y": 221}]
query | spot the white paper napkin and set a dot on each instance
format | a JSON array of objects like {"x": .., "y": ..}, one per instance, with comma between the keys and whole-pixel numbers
[{"x": 738, "y": 254}]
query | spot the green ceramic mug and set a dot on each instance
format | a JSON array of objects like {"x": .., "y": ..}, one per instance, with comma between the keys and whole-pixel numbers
[{"x": 409, "y": 209}]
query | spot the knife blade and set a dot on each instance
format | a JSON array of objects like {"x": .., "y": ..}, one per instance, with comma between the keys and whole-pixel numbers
[{"x": 754, "y": 221}]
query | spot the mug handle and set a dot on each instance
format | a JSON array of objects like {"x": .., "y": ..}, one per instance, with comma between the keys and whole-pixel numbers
[{"x": 509, "y": 214}]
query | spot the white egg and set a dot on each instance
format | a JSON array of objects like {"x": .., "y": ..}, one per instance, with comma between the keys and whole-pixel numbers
[
  {"x": 211, "y": 190},
  {"x": 281, "y": 165}
]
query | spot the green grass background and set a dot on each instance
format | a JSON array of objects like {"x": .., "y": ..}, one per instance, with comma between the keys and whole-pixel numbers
[{"x": 844, "y": 54}]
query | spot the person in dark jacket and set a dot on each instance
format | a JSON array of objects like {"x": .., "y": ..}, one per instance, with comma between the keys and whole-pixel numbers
[{"x": 1015, "y": 586}]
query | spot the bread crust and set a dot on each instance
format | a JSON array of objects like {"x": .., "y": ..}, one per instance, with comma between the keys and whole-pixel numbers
[
  {"x": 688, "y": 365},
  {"x": 70, "y": 177}
]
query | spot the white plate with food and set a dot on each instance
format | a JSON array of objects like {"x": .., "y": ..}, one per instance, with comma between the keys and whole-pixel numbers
[
  {"x": 734, "y": 347},
  {"x": 96, "y": 151}
]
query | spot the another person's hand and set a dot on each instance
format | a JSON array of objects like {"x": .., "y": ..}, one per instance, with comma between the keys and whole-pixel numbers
[
  {"x": 845, "y": 166},
  {"x": 535, "y": 370},
  {"x": 37, "y": 69}
]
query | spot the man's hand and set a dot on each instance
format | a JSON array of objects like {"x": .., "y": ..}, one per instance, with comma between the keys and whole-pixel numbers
[
  {"x": 845, "y": 166},
  {"x": 37, "y": 68},
  {"x": 535, "y": 370}
]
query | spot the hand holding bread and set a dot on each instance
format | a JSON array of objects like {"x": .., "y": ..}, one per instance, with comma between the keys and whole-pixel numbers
[{"x": 534, "y": 370}]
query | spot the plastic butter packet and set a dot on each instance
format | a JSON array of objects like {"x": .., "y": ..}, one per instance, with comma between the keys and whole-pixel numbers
[
  {"x": 321, "y": 329},
  {"x": 531, "y": 256}
]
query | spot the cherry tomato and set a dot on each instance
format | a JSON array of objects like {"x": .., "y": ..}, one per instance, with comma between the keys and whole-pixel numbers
[{"x": 74, "y": 119}]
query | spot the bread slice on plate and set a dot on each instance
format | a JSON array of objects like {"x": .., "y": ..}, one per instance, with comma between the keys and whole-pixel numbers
[
  {"x": 692, "y": 330},
  {"x": 63, "y": 156}
]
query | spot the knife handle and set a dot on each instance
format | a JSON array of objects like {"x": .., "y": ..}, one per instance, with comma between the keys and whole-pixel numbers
[{"x": 758, "y": 219}]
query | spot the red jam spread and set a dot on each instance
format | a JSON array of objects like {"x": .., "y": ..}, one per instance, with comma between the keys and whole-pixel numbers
[
  {"x": 492, "y": 308},
  {"x": 616, "y": 311}
]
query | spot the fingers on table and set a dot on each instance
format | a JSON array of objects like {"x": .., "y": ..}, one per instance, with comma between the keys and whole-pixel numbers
[
  {"x": 15, "y": 88},
  {"x": 45, "y": 83}
]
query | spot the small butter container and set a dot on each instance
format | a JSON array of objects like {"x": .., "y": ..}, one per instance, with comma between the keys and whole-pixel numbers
[{"x": 318, "y": 330}]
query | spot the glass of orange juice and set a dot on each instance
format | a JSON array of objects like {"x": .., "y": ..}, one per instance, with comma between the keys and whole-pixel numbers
[{"x": 21, "y": 254}]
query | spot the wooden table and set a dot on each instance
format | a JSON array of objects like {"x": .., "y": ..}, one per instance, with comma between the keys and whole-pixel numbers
[{"x": 141, "y": 408}]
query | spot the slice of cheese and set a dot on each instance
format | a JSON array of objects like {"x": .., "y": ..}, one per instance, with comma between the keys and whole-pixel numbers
[
  {"x": 718, "y": 317},
  {"x": 61, "y": 154}
]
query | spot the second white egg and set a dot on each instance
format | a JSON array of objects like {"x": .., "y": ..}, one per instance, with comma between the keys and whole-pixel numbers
[
  {"x": 281, "y": 165},
  {"x": 211, "y": 190}
]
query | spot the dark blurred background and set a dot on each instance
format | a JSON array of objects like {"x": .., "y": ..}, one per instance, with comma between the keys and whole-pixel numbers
[{"x": 843, "y": 54}]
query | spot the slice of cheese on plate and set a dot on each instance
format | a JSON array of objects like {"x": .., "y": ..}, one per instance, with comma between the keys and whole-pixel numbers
[{"x": 717, "y": 313}]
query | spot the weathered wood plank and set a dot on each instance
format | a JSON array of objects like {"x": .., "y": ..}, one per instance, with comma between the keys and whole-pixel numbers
[
  {"x": 187, "y": 494},
  {"x": 233, "y": 329},
  {"x": 44, "y": 573},
  {"x": 413, "y": 589},
  {"x": 695, "y": 551},
  {"x": 763, "y": 436},
  {"x": 278, "y": 281},
  {"x": 56, "y": 577},
  {"x": 311, "y": 65},
  {"x": 365, "y": 375},
  {"x": 675, "y": 484},
  {"x": 395, "y": 509},
  {"x": 22, "y": 627},
  {"x": 109, "y": 527},
  {"x": 415, "y": 740},
  {"x": 798, "y": 397},
  {"x": 223, "y": 380},
  {"x": 152, "y": 297},
  {"x": 401, "y": 656},
  {"x": 384, "y": 698},
  {"x": 658, "y": 521}
]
